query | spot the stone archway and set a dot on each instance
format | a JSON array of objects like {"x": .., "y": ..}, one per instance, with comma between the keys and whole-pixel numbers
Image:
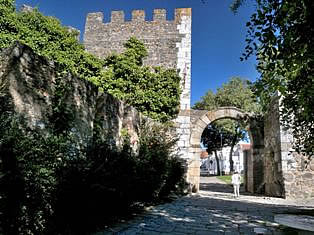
[{"x": 199, "y": 120}]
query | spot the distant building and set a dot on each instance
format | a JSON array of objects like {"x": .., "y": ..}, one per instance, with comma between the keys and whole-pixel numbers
[{"x": 209, "y": 163}]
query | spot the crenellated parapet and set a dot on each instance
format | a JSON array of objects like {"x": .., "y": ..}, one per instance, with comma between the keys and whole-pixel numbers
[
  {"x": 138, "y": 16},
  {"x": 161, "y": 36}
]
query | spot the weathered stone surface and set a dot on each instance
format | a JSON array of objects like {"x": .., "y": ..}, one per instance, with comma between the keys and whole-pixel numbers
[
  {"x": 29, "y": 87},
  {"x": 302, "y": 222},
  {"x": 286, "y": 173}
]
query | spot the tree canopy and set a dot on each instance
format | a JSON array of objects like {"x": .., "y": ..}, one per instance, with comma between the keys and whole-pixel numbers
[
  {"x": 215, "y": 137},
  {"x": 280, "y": 34},
  {"x": 153, "y": 91},
  {"x": 236, "y": 92}
]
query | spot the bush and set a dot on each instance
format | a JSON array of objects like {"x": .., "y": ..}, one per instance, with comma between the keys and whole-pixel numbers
[
  {"x": 28, "y": 177},
  {"x": 111, "y": 183},
  {"x": 47, "y": 188}
]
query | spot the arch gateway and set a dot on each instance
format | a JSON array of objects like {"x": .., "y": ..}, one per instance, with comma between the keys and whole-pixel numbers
[
  {"x": 199, "y": 121},
  {"x": 272, "y": 168}
]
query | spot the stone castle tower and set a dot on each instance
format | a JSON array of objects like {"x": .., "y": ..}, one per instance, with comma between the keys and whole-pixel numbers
[{"x": 168, "y": 44}]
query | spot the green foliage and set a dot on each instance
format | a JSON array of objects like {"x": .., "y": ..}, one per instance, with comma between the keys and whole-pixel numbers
[
  {"x": 236, "y": 92},
  {"x": 215, "y": 137},
  {"x": 47, "y": 37},
  {"x": 153, "y": 91},
  {"x": 160, "y": 169},
  {"x": 8, "y": 30},
  {"x": 281, "y": 34},
  {"x": 234, "y": 6},
  {"x": 226, "y": 178},
  {"x": 207, "y": 102},
  {"x": 61, "y": 119},
  {"x": 50, "y": 186},
  {"x": 28, "y": 176}
]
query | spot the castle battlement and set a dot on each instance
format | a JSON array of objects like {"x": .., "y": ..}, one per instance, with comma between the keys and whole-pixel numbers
[{"x": 118, "y": 17}]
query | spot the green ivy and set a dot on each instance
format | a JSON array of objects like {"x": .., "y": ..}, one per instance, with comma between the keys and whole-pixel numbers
[{"x": 153, "y": 91}]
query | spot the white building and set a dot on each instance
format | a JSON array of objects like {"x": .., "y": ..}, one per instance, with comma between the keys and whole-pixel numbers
[{"x": 209, "y": 163}]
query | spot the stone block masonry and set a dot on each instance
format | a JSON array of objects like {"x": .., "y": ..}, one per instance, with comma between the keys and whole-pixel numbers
[
  {"x": 287, "y": 174},
  {"x": 27, "y": 88},
  {"x": 168, "y": 44}
]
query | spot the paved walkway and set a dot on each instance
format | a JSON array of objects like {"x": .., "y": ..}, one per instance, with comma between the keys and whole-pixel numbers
[{"x": 213, "y": 210}]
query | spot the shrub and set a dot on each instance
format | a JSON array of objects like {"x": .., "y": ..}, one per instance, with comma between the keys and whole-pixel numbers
[
  {"x": 47, "y": 188},
  {"x": 28, "y": 177}
]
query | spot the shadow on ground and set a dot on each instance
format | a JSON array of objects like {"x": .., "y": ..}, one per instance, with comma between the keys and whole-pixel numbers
[
  {"x": 220, "y": 215},
  {"x": 216, "y": 187},
  {"x": 212, "y": 184},
  {"x": 212, "y": 211}
]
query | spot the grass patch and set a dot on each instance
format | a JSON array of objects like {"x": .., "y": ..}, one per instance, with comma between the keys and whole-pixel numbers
[{"x": 225, "y": 178}]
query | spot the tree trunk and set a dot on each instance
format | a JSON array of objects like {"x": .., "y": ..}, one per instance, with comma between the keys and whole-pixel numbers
[
  {"x": 230, "y": 159},
  {"x": 217, "y": 163},
  {"x": 234, "y": 140}
]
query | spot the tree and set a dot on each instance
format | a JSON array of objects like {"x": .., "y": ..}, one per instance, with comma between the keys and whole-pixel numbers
[
  {"x": 153, "y": 91},
  {"x": 281, "y": 33},
  {"x": 207, "y": 102},
  {"x": 214, "y": 138},
  {"x": 237, "y": 93}
]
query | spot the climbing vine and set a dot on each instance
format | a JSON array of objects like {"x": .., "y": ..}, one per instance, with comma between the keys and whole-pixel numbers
[{"x": 153, "y": 91}]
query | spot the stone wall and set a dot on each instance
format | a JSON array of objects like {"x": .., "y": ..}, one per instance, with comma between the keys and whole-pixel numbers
[
  {"x": 256, "y": 154},
  {"x": 28, "y": 85},
  {"x": 248, "y": 171},
  {"x": 273, "y": 181},
  {"x": 287, "y": 174},
  {"x": 168, "y": 44}
]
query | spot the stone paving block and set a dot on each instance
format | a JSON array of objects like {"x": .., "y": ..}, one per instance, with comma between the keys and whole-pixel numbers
[
  {"x": 206, "y": 233},
  {"x": 100, "y": 233},
  {"x": 165, "y": 229},
  {"x": 262, "y": 231},
  {"x": 239, "y": 221},
  {"x": 147, "y": 233},
  {"x": 189, "y": 216},
  {"x": 215, "y": 231},
  {"x": 272, "y": 224},
  {"x": 184, "y": 230},
  {"x": 230, "y": 232},
  {"x": 129, "y": 232}
]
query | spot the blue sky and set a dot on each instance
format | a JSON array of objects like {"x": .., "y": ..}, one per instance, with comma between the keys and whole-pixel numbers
[{"x": 218, "y": 36}]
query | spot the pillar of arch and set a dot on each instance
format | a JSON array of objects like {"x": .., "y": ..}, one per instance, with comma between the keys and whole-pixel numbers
[{"x": 199, "y": 121}]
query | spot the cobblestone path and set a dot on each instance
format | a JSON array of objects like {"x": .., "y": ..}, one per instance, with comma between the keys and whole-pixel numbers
[{"x": 213, "y": 210}]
